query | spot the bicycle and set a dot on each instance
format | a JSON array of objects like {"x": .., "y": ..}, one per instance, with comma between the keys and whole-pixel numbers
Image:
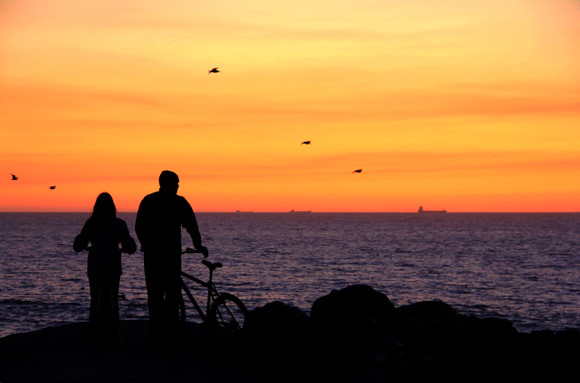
[{"x": 225, "y": 314}]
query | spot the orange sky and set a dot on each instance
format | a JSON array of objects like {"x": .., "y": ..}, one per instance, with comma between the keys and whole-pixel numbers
[{"x": 462, "y": 105}]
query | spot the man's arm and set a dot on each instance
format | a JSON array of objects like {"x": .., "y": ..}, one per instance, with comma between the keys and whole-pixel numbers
[
  {"x": 140, "y": 223},
  {"x": 190, "y": 224}
]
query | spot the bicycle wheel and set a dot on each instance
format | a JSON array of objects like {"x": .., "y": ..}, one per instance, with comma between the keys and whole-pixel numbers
[
  {"x": 181, "y": 311},
  {"x": 227, "y": 319}
]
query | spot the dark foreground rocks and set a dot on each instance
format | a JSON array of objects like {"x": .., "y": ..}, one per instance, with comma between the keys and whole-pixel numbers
[
  {"x": 356, "y": 334},
  {"x": 352, "y": 335}
]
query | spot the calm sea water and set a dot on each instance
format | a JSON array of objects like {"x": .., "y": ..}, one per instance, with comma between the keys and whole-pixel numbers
[{"x": 522, "y": 267}]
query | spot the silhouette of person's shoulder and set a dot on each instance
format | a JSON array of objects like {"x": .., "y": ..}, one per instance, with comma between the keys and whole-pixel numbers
[
  {"x": 152, "y": 199},
  {"x": 160, "y": 197},
  {"x": 152, "y": 195},
  {"x": 159, "y": 204}
]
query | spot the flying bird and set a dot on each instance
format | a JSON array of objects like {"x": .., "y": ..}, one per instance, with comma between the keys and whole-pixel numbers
[
  {"x": 305, "y": 143},
  {"x": 358, "y": 171},
  {"x": 213, "y": 70},
  {"x": 52, "y": 187},
  {"x": 14, "y": 178}
]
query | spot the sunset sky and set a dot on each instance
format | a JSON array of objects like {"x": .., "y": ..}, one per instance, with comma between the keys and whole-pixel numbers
[{"x": 449, "y": 104}]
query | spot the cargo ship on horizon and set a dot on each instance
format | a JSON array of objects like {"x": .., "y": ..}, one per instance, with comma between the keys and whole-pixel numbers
[{"x": 421, "y": 211}]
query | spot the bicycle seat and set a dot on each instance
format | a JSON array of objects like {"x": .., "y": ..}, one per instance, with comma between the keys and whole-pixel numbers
[{"x": 211, "y": 266}]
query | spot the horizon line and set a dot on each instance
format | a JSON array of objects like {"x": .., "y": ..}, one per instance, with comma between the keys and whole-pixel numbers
[{"x": 302, "y": 212}]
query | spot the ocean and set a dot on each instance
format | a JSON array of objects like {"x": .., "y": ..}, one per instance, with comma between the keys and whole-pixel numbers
[{"x": 524, "y": 267}]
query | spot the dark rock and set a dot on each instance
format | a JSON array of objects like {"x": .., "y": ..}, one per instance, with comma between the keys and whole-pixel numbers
[
  {"x": 352, "y": 335},
  {"x": 347, "y": 321},
  {"x": 357, "y": 309},
  {"x": 428, "y": 311},
  {"x": 569, "y": 340},
  {"x": 497, "y": 326},
  {"x": 549, "y": 355},
  {"x": 280, "y": 321},
  {"x": 432, "y": 318},
  {"x": 486, "y": 332}
]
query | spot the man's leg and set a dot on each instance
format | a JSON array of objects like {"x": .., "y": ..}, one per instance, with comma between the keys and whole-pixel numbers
[
  {"x": 155, "y": 299},
  {"x": 171, "y": 308}
]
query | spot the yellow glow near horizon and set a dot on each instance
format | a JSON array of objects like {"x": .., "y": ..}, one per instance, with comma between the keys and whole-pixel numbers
[{"x": 468, "y": 106}]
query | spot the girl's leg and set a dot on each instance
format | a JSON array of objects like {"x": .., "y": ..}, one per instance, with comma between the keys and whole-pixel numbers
[
  {"x": 114, "y": 324},
  {"x": 94, "y": 283}
]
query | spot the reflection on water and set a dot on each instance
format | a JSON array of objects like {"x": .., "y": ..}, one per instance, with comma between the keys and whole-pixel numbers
[{"x": 523, "y": 267}]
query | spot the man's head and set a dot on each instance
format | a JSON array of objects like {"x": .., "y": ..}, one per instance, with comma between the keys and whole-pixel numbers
[{"x": 168, "y": 181}]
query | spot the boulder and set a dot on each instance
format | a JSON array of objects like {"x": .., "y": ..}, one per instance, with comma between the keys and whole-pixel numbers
[
  {"x": 349, "y": 319},
  {"x": 280, "y": 321},
  {"x": 428, "y": 311}
]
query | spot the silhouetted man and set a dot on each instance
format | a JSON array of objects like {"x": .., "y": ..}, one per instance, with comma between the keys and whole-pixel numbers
[{"x": 158, "y": 226}]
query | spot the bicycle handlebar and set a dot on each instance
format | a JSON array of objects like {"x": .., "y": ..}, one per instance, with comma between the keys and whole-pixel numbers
[
  {"x": 201, "y": 250},
  {"x": 89, "y": 248},
  {"x": 189, "y": 250}
]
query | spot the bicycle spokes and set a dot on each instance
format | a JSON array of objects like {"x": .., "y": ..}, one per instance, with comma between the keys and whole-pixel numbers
[{"x": 227, "y": 319}]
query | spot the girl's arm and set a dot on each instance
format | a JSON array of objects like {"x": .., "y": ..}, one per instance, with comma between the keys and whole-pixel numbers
[
  {"x": 82, "y": 240},
  {"x": 127, "y": 242}
]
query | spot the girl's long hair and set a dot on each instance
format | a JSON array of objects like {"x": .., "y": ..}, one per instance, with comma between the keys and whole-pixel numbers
[{"x": 104, "y": 213}]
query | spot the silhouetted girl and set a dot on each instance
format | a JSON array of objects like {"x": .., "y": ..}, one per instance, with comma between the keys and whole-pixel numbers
[{"x": 104, "y": 232}]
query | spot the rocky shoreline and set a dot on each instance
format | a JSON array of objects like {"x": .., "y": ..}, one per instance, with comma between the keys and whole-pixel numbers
[
  {"x": 351, "y": 335},
  {"x": 360, "y": 327}
]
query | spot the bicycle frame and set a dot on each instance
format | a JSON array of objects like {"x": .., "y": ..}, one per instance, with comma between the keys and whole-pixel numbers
[
  {"x": 225, "y": 314},
  {"x": 211, "y": 293}
]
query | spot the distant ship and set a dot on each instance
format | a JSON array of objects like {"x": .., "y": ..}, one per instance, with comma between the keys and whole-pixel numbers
[
  {"x": 421, "y": 211},
  {"x": 300, "y": 211}
]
